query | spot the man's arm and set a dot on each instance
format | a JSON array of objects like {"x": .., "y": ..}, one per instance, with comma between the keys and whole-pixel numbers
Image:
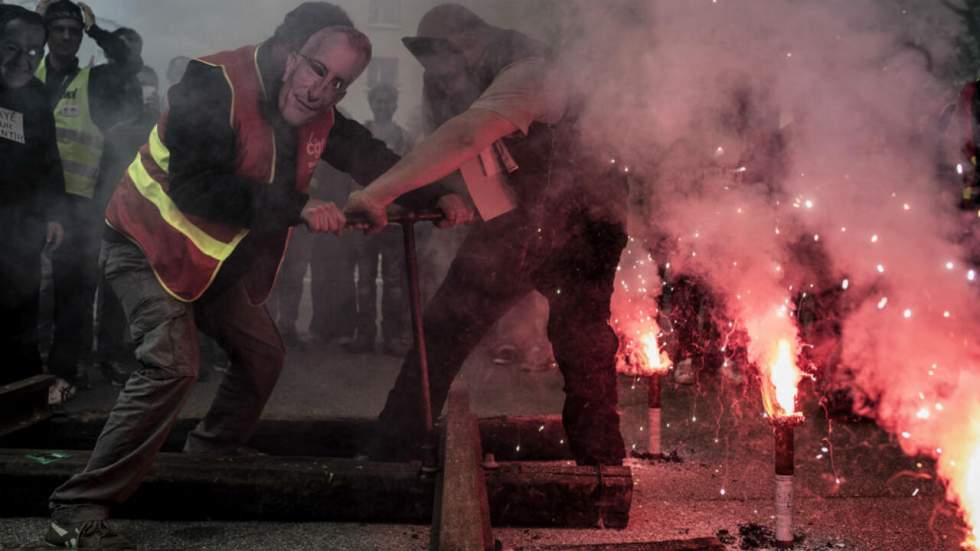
[
  {"x": 524, "y": 92},
  {"x": 458, "y": 140},
  {"x": 202, "y": 147},
  {"x": 122, "y": 58},
  {"x": 115, "y": 92},
  {"x": 352, "y": 149}
]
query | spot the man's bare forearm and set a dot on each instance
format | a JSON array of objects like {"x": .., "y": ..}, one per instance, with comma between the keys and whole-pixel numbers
[{"x": 452, "y": 144}]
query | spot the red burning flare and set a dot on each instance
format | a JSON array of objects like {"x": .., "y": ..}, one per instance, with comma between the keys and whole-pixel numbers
[
  {"x": 781, "y": 378},
  {"x": 961, "y": 469},
  {"x": 971, "y": 498},
  {"x": 643, "y": 357}
]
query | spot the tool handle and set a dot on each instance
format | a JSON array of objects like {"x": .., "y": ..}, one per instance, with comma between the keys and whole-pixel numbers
[{"x": 358, "y": 220}]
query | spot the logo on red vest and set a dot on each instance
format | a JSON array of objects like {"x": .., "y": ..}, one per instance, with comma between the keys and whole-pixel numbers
[{"x": 314, "y": 149}]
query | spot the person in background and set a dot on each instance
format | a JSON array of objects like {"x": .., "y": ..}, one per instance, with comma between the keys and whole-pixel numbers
[
  {"x": 87, "y": 102},
  {"x": 332, "y": 264},
  {"x": 331, "y": 261},
  {"x": 386, "y": 246},
  {"x": 31, "y": 189},
  {"x": 383, "y": 99}
]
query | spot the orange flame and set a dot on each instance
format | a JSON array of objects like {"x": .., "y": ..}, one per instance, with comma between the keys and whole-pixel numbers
[
  {"x": 781, "y": 378},
  {"x": 970, "y": 499},
  {"x": 656, "y": 362},
  {"x": 959, "y": 466},
  {"x": 642, "y": 357}
]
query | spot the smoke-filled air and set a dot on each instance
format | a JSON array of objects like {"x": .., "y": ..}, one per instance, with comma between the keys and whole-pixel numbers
[
  {"x": 786, "y": 149},
  {"x": 362, "y": 225}
]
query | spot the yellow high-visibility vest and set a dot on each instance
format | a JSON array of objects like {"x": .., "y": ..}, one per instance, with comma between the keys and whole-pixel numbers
[{"x": 80, "y": 141}]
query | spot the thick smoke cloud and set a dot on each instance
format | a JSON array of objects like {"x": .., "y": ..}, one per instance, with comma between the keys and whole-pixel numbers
[{"x": 790, "y": 147}]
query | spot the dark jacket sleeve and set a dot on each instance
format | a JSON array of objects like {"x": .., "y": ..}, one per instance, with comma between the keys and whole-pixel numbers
[
  {"x": 115, "y": 92},
  {"x": 202, "y": 147},
  {"x": 52, "y": 177},
  {"x": 352, "y": 149}
]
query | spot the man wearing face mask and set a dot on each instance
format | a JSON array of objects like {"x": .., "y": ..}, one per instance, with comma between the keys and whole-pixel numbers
[
  {"x": 31, "y": 189},
  {"x": 553, "y": 221},
  {"x": 87, "y": 102},
  {"x": 197, "y": 230}
]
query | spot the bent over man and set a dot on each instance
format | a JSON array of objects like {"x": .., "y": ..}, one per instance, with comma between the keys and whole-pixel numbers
[
  {"x": 198, "y": 226},
  {"x": 557, "y": 225}
]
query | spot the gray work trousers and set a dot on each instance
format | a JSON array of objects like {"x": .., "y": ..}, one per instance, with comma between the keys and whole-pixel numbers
[{"x": 164, "y": 331}]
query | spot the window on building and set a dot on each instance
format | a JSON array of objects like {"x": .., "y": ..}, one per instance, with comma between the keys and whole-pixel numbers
[
  {"x": 385, "y": 12},
  {"x": 383, "y": 70}
]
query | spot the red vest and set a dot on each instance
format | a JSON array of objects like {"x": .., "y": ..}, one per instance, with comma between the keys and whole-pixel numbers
[{"x": 186, "y": 251}]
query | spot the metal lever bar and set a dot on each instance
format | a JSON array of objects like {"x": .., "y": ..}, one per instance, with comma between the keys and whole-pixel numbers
[
  {"x": 407, "y": 220},
  {"x": 357, "y": 220}
]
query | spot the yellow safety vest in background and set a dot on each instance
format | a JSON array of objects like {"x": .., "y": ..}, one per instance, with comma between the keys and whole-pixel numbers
[{"x": 80, "y": 141}]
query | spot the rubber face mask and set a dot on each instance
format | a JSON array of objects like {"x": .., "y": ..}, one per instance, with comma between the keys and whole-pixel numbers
[{"x": 317, "y": 78}]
